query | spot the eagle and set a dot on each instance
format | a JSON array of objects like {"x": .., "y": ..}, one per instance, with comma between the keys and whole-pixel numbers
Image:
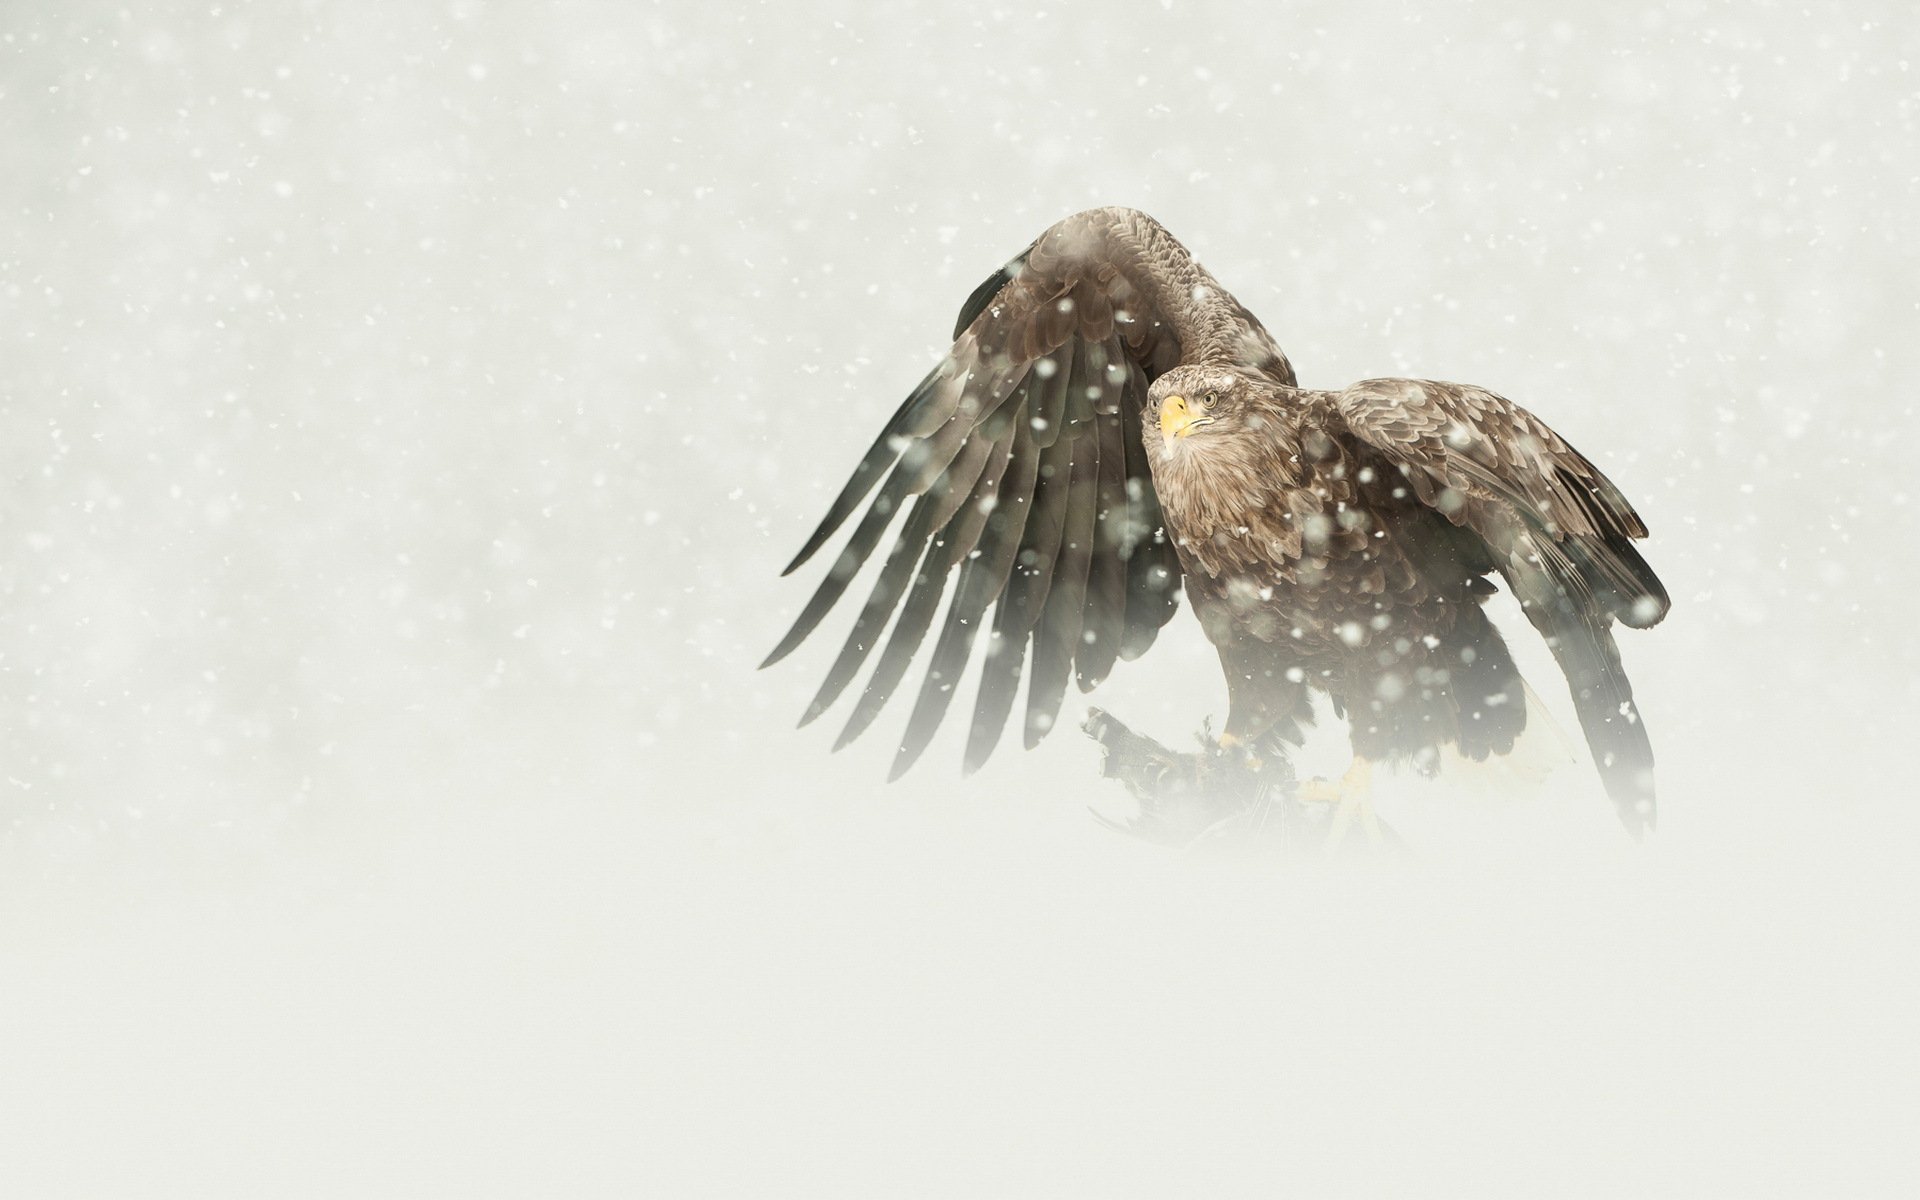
[{"x": 1112, "y": 427}]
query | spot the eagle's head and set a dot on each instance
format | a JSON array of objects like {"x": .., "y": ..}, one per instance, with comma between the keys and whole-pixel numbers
[
  {"x": 1194, "y": 406},
  {"x": 1219, "y": 446}
]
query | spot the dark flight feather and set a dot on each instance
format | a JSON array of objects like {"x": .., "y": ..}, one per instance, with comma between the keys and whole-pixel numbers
[
  {"x": 1057, "y": 637},
  {"x": 1556, "y": 599},
  {"x": 1105, "y": 610}
]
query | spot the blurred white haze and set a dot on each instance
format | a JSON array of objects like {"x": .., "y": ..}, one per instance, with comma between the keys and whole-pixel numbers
[{"x": 408, "y": 408}]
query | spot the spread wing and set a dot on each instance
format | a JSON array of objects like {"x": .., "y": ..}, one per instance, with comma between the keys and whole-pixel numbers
[
  {"x": 1557, "y": 529},
  {"x": 1019, "y": 467}
]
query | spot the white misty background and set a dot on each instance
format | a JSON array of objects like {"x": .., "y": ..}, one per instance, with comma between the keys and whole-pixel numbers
[{"x": 407, "y": 409}]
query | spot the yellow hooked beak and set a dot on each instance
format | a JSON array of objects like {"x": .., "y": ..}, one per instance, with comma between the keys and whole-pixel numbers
[{"x": 1177, "y": 420}]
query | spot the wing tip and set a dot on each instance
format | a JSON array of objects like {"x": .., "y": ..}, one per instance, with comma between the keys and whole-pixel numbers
[
  {"x": 903, "y": 761},
  {"x": 1645, "y": 610},
  {"x": 857, "y": 724},
  {"x": 1089, "y": 678},
  {"x": 1640, "y": 816},
  {"x": 982, "y": 739},
  {"x": 807, "y": 551}
]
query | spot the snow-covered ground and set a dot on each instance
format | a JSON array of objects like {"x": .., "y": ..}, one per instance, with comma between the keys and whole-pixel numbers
[{"x": 407, "y": 411}]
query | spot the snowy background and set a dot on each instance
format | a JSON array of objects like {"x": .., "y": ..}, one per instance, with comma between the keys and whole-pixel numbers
[{"x": 407, "y": 409}]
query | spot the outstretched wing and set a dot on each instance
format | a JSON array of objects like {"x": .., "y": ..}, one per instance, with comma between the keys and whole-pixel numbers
[
  {"x": 1019, "y": 466},
  {"x": 1557, "y": 529}
]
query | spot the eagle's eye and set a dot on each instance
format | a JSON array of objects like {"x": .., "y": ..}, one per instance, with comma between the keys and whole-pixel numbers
[{"x": 1211, "y": 400}]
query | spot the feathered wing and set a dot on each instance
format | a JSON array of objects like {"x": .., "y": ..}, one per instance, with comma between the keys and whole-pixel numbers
[
  {"x": 1019, "y": 466},
  {"x": 1556, "y": 528}
]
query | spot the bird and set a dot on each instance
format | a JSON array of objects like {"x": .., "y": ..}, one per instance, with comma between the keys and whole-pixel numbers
[{"x": 1111, "y": 428}]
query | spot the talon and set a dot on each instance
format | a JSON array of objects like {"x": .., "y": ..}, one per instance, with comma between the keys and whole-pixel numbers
[{"x": 1229, "y": 743}]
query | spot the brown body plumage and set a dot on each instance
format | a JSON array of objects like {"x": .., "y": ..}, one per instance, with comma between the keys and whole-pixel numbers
[{"x": 1110, "y": 420}]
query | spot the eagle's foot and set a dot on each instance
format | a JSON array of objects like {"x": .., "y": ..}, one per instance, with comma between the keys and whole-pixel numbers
[{"x": 1350, "y": 800}]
